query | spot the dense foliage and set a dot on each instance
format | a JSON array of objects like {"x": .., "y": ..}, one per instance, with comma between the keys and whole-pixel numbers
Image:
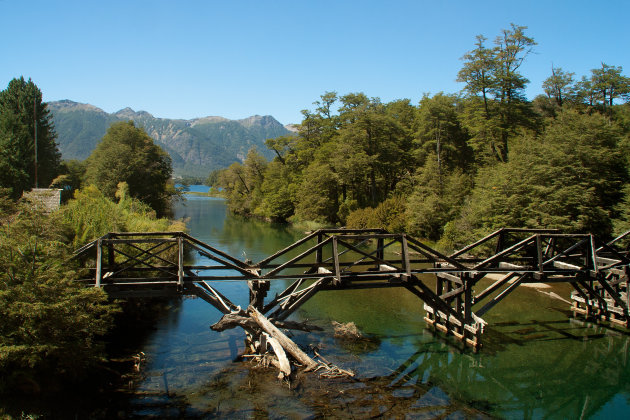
[
  {"x": 454, "y": 166},
  {"x": 50, "y": 324},
  {"x": 22, "y": 115},
  {"x": 91, "y": 214},
  {"x": 127, "y": 154}
]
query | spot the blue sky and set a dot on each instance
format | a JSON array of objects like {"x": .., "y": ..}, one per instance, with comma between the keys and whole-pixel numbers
[{"x": 187, "y": 59}]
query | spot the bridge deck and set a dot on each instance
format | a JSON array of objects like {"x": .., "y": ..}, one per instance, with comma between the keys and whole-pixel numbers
[{"x": 155, "y": 264}]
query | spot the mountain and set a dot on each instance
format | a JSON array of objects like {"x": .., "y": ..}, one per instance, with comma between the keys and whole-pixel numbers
[{"x": 196, "y": 146}]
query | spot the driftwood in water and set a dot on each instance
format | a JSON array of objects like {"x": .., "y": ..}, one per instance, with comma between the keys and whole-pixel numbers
[
  {"x": 256, "y": 324},
  {"x": 283, "y": 361},
  {"x": 284, "y": 341},
  {"x": 242, "y": 319}
]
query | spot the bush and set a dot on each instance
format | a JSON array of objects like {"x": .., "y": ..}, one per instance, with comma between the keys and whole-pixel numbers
[
  {"x": 389, "y": 215},
  {"x": 91, "y": 215},
  {"x": 50, "y": 324}
]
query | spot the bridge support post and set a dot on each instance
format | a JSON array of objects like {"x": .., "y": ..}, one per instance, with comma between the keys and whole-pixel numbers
[
  {"x": 99, "y": 263},
  {"x": 180, "y": 263},
  {"x": 257, "y": 292},
  {"x": 318, "y": 253}
]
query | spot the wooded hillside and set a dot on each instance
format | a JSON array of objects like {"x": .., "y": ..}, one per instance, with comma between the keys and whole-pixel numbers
[{"x": 454, "y": 166}]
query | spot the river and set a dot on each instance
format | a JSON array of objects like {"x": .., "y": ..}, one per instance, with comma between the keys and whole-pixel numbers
[{"x": 537, "y": 362}]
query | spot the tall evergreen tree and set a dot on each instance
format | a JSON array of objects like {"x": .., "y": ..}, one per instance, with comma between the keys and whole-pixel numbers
[{"x": 22, "y": 115}]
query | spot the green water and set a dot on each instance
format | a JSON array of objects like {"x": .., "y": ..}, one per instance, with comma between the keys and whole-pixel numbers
[{"x": 536, "y": 362}]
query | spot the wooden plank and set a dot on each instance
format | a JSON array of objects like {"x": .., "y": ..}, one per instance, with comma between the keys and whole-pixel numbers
[
  {"x": 405, "y": 255},
  {"x": 244, "y": 269},
  {"x": 494, "y": 286},
  {"x": 475, "y": 244},
  {"x": 180, "y": 262},
  {"x": 498, "y": 298},
  {"x": 566, "y": 266},
  {"x": 99, "y": 263},
  {"x": 263, "y": 263},
  {"x": 140, "y": 241},
  {"x": 335, "y": 253},
  {"x": 450, "y": 277},
  {"x": 539, "y": 254},
  {"x": 566, "y": 251},
  {"x": 511, "y": 267},
  {"x": 505, "y": 252},
  {"x": 234, "y": 261},
  {"x": 304, "y": 295},
  {"x": 593, "y": 254},
  {"x": 452, "y": 293},
  {"x": 359, "y": 251},
  {"x": 420, "y": 247},
  {"x": 297, "y": 258},
  {"x": 618, "y": 238}
]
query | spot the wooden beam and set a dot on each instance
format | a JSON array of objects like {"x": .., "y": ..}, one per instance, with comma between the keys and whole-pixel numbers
[
  {"x": 498, "y": 298},
  {"x": 335, "y": 253},
  {"x": 99, "y": 263}
]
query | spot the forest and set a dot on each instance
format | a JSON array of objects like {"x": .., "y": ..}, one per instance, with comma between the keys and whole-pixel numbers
[{"x": 454, "y": 166}]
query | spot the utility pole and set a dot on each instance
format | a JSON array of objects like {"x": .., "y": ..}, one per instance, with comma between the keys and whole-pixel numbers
[{"x": 35, "y": 135}]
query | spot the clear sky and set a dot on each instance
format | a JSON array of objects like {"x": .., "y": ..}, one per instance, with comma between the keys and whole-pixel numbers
[{"x": 188, "y": 59}]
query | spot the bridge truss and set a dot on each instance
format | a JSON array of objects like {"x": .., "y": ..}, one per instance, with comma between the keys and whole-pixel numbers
[{"x": 156, "y": 264}]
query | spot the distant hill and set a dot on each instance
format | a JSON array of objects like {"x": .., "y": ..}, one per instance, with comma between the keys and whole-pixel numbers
[{"x": 196, "y": 146}]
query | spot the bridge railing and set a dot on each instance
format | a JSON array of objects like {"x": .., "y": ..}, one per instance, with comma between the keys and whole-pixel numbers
[{"x": 132, "y": 263}]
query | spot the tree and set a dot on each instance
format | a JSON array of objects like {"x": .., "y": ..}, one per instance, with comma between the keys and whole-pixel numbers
[
  {"x": 610, "y": 84},
  {"x": 16, "y": 156},
  {"x": 278, "y": 189},
  {"x": 22, "y": 112},
  {"x": 603, "y": 87},
  {"x": 478, "y": 72},
  {"x": 436, "y": 199},
  {"x": 570, "y": 178},
  {"x": 242, "y": 184},
  {"x": 127, "y": 154},
  {"x": 494, "y": 73},
  {"x": 319, "y": 194},
  {"x": 559, "y": 86},
  {"x": 441, "y": 134}
]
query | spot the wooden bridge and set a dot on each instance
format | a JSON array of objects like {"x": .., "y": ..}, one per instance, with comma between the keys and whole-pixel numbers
[{"x": 155, "y": 264}]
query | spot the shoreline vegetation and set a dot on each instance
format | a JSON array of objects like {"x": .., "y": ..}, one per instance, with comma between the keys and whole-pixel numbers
[
  {"x": 55, "y": 333},
  {"x": 454, "y": 167}
]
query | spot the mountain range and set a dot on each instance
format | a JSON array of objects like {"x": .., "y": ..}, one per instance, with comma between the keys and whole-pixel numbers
[{"x": 196, "y": 146}]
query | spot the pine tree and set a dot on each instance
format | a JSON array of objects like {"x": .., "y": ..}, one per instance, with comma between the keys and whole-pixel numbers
[{"x": 22, "y": 116}]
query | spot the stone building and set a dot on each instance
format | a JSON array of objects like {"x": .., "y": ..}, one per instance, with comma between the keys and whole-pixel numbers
[{"x": 47, "y": 199}]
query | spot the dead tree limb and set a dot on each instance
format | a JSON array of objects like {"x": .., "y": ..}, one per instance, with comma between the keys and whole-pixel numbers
[{"x": 284, "y": 341}]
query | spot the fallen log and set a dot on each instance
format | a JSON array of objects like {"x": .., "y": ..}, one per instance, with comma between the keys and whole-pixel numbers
[
  {"x": 283, "y": 361},
  {"x": 283, "y": 340},
  {"x": 241, "y": 319}
]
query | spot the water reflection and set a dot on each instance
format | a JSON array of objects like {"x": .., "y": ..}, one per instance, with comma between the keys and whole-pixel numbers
[{"x": 535, "y": 363}]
